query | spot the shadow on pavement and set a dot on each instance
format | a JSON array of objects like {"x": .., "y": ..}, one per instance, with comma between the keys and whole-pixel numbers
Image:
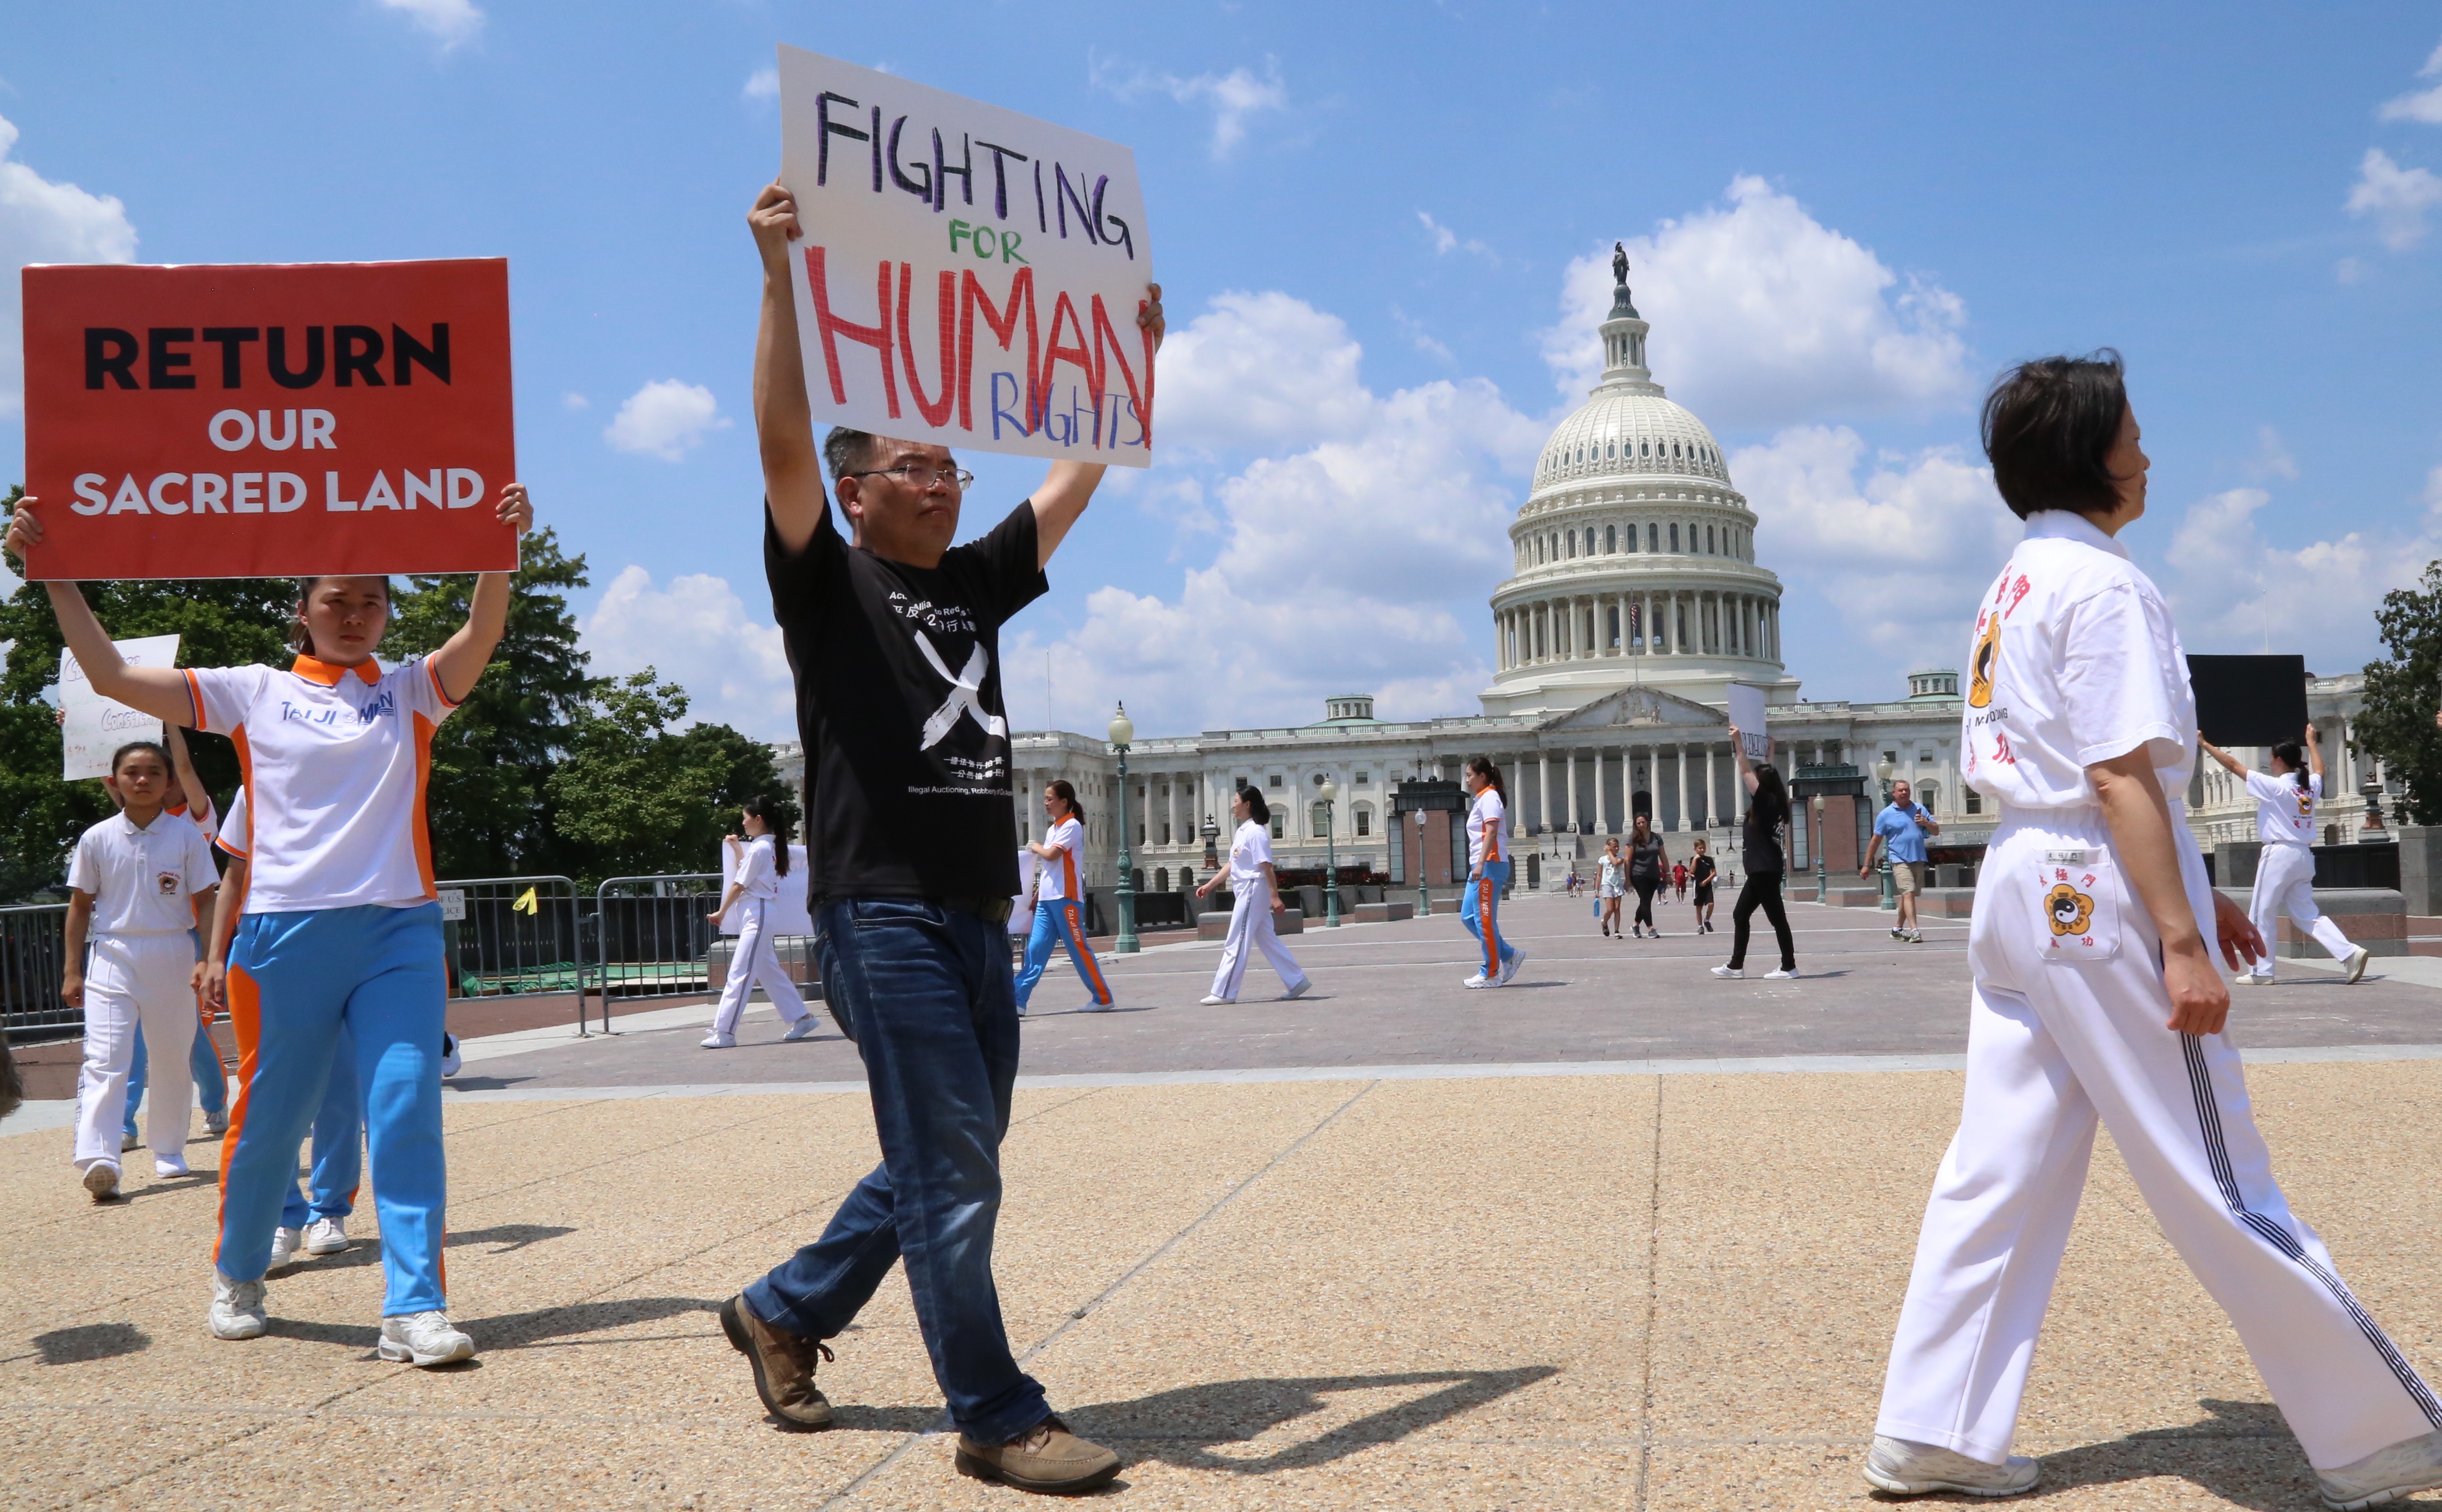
[
  {"x": 367, "y": 1252},
  {"x": 2241, "y": 1454},
  {"x": 1185, "y": 1427},
  {"x": 483, "y": 1084},
  {"x": 514, "y": 1330},
  {"x": 68, "y": 1346}
]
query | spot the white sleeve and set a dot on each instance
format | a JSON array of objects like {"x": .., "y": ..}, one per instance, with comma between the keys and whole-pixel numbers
[
  {"x": 2116, "y": 698},
  {"x": 197, "y": 861},
  {"x": 223, "y": 694},
  {"x": 757, "y": 869},
  {"x": 85, "y": 868},
  {"x": 1260, "y": 850},
  {"x": 1069, "y": 834},
  {"x": 233, "y": 837},
  {"x": 420, "y": 686},
  {"x": 2315, "y": 784},
  {"x": 2266, "y": 787}
]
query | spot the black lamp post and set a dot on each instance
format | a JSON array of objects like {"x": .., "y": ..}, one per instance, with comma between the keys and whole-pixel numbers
[
  {"x": 1330, "y": 856},
  {"x": 1123, "y": 734}
]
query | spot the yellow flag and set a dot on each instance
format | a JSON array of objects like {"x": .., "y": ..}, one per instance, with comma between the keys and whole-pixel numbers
[{"x": 525, "y": 902}]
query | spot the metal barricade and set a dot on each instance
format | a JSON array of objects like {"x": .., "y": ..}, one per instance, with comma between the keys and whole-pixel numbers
[
  {"x": 654, "y": 938},
  {"x": 33, "y": 954},
  {"x": 514, "y": 937}
]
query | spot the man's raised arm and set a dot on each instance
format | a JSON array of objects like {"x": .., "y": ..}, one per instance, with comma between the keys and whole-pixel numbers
[
  {"x": 784, "y": 421},
  {"x": 1068, "y": 487}
]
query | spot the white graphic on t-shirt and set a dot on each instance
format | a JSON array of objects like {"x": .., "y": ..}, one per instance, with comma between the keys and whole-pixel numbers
[{"x": 965, "y": 695}]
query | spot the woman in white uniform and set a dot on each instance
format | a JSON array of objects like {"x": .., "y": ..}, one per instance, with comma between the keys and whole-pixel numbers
[
  {"x": 2095, "y": 996},
  {"x": 2285, "y": 874},
  {"x": 1255, "y": 887},
  {"x": 762, "y": 861},
  {"x": 1612, "y": 875},
  {"x": 1059, "y": 901}
]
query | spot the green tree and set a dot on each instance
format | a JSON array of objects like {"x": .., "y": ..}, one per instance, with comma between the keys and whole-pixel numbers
[
  {"x": 488, "y": 799},
  {"x": 2402, "y": 694},
  {"x": 220, "y": 621},
  {"x": 635, "y": 797}
]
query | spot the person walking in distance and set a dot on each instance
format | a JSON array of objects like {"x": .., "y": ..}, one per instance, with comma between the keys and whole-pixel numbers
[
  {"x": 762, "y": 861},
  {"x": 2095, "y": 998},
  {"x": 316, "y": 1225},
  {"x": 1900, "y": 830},
  {"x": 1612, "y": 874},
  {"x": 1487, "y": 873},
  {"x": 135, "y": 883},
  {"x": 1700, "y": 875},
  {"x": 893, "y": 636},
  {"x": 342, "y": 923},
  {"x": 1679, "y": 879},
  {"x": 1255, "y": 891},
  {"x": 1059, "y": 901},
  {"x": 1647, "y": 857},
  {"x": 1759, "y": 837},
  {"x": 2285, "y": 873}
]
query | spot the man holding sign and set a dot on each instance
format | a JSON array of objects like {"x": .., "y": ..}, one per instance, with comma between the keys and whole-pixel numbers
[{"x": 894, "y": 638}]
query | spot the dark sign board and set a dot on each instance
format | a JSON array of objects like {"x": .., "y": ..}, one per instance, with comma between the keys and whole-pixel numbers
[{"x": 2250, "y": 700}]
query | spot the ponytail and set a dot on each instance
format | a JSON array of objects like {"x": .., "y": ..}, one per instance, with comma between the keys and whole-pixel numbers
[
  {"x": 780, "y": 816},
  {"x": 2294, "y": 757}
]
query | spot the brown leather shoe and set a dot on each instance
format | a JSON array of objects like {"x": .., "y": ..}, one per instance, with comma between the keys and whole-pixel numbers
[
  {"x": 1045, "y": 1458},
  {"x": 784, "y": 1367}
]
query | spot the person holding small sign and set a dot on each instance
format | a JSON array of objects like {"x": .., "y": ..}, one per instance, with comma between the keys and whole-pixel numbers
[
  {"x": 893, "y": 635},
  {"x": 342, "y": 929},
  {"x": 2096, "y": 1002}
]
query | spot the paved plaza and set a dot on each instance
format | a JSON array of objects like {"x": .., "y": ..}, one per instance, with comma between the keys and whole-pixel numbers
[{"x": 1619, "y": 1236}]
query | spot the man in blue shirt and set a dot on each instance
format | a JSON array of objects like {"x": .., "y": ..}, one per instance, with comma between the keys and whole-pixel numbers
[{"x": 1899, "y": 829}]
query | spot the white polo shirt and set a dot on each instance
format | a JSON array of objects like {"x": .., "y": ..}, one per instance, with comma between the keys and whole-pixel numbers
[
  {"x": 336, "y": 761},
  {"x": 1484, "y": 826},
  {"x": 2074, "y": 662},
  {"x": 759, "y": 874},
  {"x": 144, "y": 882},
  {"x": 1059, "y": 877},
  {"x": 233, "y": 837},
  {"x": 1249, "y": 849},
  {"x": 2285, "y": 812}
]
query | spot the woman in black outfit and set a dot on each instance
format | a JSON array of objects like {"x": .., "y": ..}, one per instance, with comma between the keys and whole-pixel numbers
[
  {"x": 1646, "y": 862},
  {"x": 1699, "y": 874},
  {"x": 1760, "y": 847}
]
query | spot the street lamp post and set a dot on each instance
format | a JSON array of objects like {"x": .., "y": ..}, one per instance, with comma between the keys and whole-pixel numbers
[
  {"x": 1424, "y": 895},
  {"x": 1330, "y": 796},
  {"x": 1123, "y": 734},
  {"x": 1819, "y": 899},
  {"x": 1885, "y": 770}
]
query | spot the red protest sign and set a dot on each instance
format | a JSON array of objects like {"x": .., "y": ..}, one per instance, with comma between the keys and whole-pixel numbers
[{"x": 269, "y": 420}]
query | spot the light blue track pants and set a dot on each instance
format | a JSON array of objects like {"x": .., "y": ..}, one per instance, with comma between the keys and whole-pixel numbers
[
  {"x": 338, "y": 1148},
  {"x": 1060, "y": 921},
  {"x": 299, "y": 985}
]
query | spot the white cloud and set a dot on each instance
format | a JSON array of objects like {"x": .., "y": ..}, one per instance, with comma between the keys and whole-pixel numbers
[
  {"x": 2272, "y": 458},
  {"x": 1762, "y": 315},
  {"x": 1899, "y": 553},
  {"x": 698, "y": 634},
  {"x": 44, "y": 222},
  {"x": 2397, "y": 197},
  {"x": 2232, "y": 591},
  {"x": 573, "y": 401},
  {"x": 1355, "y": 554},
  {"x": 1446, "y": 240},
  {"x": 1233, "y": 96},
  {"x": 453, "y": 21},
  {"x": 665, "y": 418},
  {"x": 2423, "y": 104},
  {"x": 763, "y": 83}
]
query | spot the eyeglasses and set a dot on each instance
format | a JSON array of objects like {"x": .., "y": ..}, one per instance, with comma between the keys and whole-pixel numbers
[{"x": 921, "y": 475}]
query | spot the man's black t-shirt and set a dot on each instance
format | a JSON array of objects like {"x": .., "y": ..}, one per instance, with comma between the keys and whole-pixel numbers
[{"x": 898, "y": 703}]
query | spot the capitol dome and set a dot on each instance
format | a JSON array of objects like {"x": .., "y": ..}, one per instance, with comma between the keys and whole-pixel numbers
[{"x": 1634, "y": 556}]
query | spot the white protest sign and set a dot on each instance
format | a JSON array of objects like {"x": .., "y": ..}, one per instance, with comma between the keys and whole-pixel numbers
[
  {"x": 1747, "y": 716},
  {"x": 94, "y": 725},
  {"x": 968, "y": 276},
  {"x": 784, "y": 915},
  {"x": 1021, "y": 906}
]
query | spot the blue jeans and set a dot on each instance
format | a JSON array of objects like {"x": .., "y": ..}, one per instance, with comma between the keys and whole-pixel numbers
[
  {"x": 924, "y": 991},
  {"x": 1479, "y": 909},
  {"x": 203, "y": 1059}
]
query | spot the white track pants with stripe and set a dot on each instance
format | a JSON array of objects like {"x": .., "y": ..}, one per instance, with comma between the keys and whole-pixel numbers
[
  {"x": 132, "y": 979},
  {"x": 2051, "y": 1046},
  {"x": 1251, "y": 929},
  {"x": 752, "y": 965},
  {"x": 2285, "y": 883}
]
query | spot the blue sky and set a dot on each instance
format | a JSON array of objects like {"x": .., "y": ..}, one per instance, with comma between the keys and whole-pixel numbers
[{"x": 1382, "y": 231}]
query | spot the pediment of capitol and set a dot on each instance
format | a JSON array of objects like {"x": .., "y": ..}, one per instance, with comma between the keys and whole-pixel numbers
[{"x": 1642, "y": 709}]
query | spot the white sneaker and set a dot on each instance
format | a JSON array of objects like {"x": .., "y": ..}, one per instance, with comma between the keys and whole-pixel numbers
[
  {"x": 285, "y": 1243},
  {"x": 717, "y": 1041},
  {"x": 101, "y": 1179},
  {"x": 1478, "y": 980},
  {"x": 2252, "y": 980},
  {"x": 802, "y": 1029},
  {"x": 1089, "y": 1005},
  {"x": 2357, "y": 964},
  {"x": 216, "y": 1123},
  {"x": 1914, "y": 936},
  {"x": 425, "y": 1339},
  {"x": 450, "y": 1059},
  {"x": 1297, "y": 992},
  {"x": 237, "y": 1309},
  {"x": 1906, "y": 1469},
  {"x": 2410, "y": 1465},
  {"x": 1779, "y": 976},
  {"x": 130, "y": 1140},
  {"x": 1210, "y": 1001},
  {"x": 169, "y": 1167},
  {"x": 1729, "y": 972},
  {"x": 1509, "y": 967},
  {"x": 327, "y": 1236}
]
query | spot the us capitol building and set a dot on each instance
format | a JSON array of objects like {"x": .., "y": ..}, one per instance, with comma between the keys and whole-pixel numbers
[{"x": 1637, "y": 596}]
